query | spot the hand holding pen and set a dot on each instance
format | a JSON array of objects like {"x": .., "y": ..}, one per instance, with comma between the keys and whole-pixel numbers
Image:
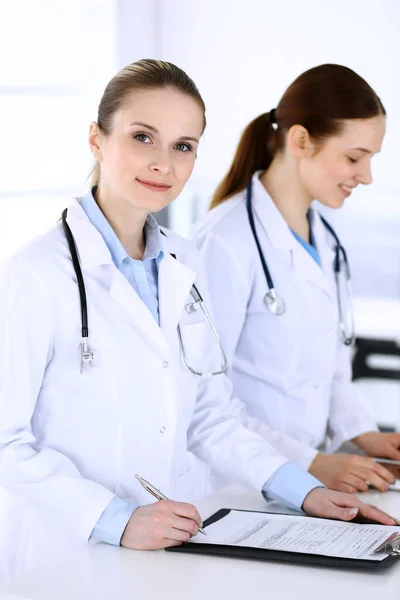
[
  {"x": 161, "y": 524},
  {"x": 157, "y": 494}
]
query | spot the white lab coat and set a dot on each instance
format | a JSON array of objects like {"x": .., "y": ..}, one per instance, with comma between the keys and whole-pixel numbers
[
  {"x": 70, "y": 441},
  {"x": 291, "y": 372}
]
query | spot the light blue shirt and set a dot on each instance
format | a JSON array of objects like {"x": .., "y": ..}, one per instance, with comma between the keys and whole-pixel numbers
[
  {"x": 311, "y": 248},
  {"x": 290, "y": 484},
  {"x": 141, "y": 274}
]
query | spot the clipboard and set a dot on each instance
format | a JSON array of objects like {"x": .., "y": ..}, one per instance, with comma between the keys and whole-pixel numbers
[{"x": 298, "y": 558}]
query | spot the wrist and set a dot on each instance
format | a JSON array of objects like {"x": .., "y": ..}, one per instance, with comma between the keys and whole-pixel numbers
[
  {"x": 361, "y": 439},
  {"x": 309, "y": 495},
  {"x": 316, "y": 463}
]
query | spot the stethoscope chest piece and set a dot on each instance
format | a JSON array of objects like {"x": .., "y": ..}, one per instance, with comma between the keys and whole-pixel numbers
[
  {"x": 86, "y": 355},
  {"x": 274, "y": 303}
]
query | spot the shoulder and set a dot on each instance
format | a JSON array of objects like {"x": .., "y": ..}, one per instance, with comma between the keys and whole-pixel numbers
[
  {"x": 225, "y": 233},
  {"x": 225, "y": 221},
  {"x": 182, "y": 248},
  {"x": 37, "y": 257}
]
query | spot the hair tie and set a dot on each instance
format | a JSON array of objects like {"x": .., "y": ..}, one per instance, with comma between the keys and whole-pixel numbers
[{"x": 272, "y": 117}]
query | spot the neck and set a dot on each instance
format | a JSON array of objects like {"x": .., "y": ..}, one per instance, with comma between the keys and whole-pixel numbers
[
  {"x": 126, "y": 220},
  {"x": 284, "y": 186}
]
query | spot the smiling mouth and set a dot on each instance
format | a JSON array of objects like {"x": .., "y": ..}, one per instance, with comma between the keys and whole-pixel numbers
[
  {"x": 346, "y": 189},
  {"x": 152, "y": 185}
]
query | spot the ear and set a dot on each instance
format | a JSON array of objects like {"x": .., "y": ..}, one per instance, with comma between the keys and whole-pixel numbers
[
  {"x": 299, "y": 142},
  {"x": 95, "y": 141}
]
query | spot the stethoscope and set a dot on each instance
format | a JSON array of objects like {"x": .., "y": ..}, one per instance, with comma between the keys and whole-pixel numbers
[
  {"x": 275, "y": 302},
  {"x": 87, "y": 353}
]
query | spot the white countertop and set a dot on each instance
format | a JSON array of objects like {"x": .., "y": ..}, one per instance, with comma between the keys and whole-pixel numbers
[{"x": 102, "y": 572}]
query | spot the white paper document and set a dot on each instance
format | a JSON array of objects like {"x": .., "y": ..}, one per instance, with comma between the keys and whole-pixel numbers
[{"x": 298, "y": 534}]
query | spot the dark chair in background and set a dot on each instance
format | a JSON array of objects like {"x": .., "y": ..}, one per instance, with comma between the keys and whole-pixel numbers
[{"x": 363, "y": 369}]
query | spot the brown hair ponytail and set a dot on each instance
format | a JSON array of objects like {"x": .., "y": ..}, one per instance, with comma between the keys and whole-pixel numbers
[
  {"x": 320, "y": 100},
  {"x": 254, "y": 152}
]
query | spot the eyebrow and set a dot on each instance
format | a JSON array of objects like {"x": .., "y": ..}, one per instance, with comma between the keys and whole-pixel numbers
[
  {"x": 361, "y": 150},
  {"x": 154, "y": 130}
]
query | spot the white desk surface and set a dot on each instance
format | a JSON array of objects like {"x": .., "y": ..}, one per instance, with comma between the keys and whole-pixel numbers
[
  {"x": 102, "y": 572},
  {"x": 377, "y": 318}
]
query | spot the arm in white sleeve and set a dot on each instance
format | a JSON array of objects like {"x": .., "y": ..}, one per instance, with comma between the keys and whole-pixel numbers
[
  {"x": 216, "y": 434},
  {"x": 349, "y": 417},
  {"x": 43, "y": 477},
  {"x": 229, "y": 289},
  {"x": 295, "y": 451},
  {"x": 229, "y": 297}
]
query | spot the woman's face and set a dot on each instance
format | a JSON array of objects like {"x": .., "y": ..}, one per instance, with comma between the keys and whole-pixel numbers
[
  {"x": 343, "y": 161},
  {"x": 149, "y": 154}
]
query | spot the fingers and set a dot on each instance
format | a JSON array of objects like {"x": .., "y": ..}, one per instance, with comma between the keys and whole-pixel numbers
[
  {"x": 183, "y": 518},
  {"x": 350, "y": 489},
  {"x": 333, "y": 510},
  {"x": 375, "y": 480},
  {"x": 367, "y": 470},
  {"x": 352, "y": 507},
  {"x": 353, "y": 483},
  {"x": 157, "y": 525},
  {"x": 374, "y": 514},
  {"x": 182, "y": 509},
  {"x": 346, "y": 507},
  {"x": 381, "y": 471},
  {"x": 345, "y": 514},
  {"x": 178, "y": 535},
  {"x": 392, "y": 452},
  {"x": 187, "y": 526},
  {"x": 385, "y": 513}
]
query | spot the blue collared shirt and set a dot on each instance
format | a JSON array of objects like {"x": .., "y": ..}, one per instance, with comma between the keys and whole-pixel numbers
[
  {"x": 141, "y": 274},
  {"x": 311, "y": 248},
  {"x": 290, "y": 484}
]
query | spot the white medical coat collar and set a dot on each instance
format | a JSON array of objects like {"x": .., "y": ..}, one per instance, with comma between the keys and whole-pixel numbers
[
  {"x": 175, "y": 279},
  {"x": 270, "y": 218},
  {"x": 281, "y": 238},
  {"x": 91, "y": 247}
]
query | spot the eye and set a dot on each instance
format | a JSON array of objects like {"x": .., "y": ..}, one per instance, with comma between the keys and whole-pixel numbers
[
  {"x": 142, "y": 137},
  {"x": 183, "y": 147},
  {"x": 353, "y": 160}
]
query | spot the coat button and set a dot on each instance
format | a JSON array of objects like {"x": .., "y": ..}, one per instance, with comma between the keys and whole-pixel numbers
[
  {"x": 165, "y": 364},
  {"x": 162, "y": 429}
]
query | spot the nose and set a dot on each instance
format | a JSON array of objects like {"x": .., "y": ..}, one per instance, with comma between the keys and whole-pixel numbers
[
  {"x": 365, "y": 176},
  {"x": 161, "y": 163}
]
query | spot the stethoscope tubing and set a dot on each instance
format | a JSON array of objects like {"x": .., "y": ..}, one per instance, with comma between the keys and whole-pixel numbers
[{"x": 348, "y": 339}]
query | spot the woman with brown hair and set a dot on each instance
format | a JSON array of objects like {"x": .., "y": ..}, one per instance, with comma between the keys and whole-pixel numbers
[{"x": 271, "y": 262}]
